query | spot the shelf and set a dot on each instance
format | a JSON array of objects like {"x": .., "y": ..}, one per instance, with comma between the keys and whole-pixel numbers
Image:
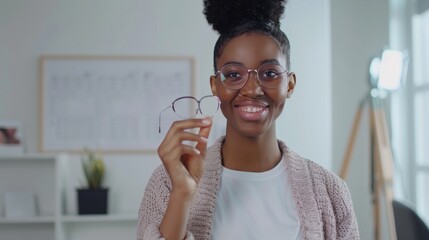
[
  {"x": 70, "y": 219},
  {"x": 27, "y": 157},
  {"x": 53, "y": 179},
  {"x": 31, "y": 220},
  {"x": 98, "y": 218}
]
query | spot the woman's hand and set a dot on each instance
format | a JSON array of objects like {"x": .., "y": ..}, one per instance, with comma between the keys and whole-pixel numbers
[
  {"x": 183, "y": 162},
  {"x": 185, "y": 166}
]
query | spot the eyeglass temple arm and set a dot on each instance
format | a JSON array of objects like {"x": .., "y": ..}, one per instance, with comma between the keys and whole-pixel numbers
[{"x": 159, "y": 120}]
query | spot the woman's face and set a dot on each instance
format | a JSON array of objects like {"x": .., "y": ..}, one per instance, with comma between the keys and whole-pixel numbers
[{"x": 252, "y": 110}]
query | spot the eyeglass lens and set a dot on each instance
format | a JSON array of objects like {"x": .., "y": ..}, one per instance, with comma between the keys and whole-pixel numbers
[
  {"x": 189, "y": 107},
  {"x": 234, "y": 76}
]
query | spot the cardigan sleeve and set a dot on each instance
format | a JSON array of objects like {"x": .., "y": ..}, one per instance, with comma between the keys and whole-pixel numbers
[
  {"x": 154, "y": 205},
  {"x": 334, "y": 203},
  {"x": 347, "y": 227}
]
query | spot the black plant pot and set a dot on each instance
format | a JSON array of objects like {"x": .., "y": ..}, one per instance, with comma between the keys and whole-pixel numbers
[{"x": 92, "y": 201}]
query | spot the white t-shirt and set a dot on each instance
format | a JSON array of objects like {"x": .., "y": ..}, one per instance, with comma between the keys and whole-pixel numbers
[{"x": 253, "y": 205}]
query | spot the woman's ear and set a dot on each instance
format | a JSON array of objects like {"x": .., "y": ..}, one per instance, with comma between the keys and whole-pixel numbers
[
  {"x": 291, "y": 84},
  {"x": 213, "y": 84}
]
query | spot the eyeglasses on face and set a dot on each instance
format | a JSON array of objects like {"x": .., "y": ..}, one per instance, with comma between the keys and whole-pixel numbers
[
  {"x": 187, "y": 107},
  {"x": 234, "y": 76}
]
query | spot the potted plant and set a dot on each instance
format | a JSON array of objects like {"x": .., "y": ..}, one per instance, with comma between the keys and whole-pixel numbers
[{"x": 92, "y": 199}]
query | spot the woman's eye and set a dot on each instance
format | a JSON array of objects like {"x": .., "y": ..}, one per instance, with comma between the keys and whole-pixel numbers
[
  {"x": 270, "y": 74},
  {"x": 233, "y": 75}
]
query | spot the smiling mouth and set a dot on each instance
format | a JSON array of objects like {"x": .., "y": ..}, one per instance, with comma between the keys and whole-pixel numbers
[
  {"x": 251, "y": 109},
  {"x": 252, "y": 112}
]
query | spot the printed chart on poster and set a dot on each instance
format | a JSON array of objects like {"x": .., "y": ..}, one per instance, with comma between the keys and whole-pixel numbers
[{"x": 109, "y": 103}]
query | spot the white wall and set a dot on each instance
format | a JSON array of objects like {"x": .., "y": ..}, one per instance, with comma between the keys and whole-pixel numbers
[
  {"x": 305, "y": 124},
  {"x": 134, "y": 27}
]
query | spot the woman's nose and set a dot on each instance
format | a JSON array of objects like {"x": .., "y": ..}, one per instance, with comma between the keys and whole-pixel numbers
[{"x": 252, "y": 87}]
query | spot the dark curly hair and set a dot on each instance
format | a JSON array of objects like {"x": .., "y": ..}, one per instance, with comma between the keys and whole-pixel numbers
[{"x": 232, "y": 18}]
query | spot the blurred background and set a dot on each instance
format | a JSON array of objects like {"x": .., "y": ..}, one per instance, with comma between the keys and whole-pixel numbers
[{"x": 332, "y": 43}]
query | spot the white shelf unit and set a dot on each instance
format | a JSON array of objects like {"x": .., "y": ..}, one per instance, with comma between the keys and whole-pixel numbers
[
  {"x": 54, "y": 179},
  {"x": 28, "y": 173},
  {"x": 28, "y": 220}
]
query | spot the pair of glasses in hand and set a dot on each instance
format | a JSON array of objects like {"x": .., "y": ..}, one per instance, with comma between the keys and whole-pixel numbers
[{"x": 188, "y": 107}]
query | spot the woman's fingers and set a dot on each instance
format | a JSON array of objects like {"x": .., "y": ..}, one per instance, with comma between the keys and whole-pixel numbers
[
  {"x": 204, "y": 133},
  {"x": 179, "y": 134},
  {"x": 177, "y": 151},
  {"x": 179, "y": 154},
  {"x": 178, "y": 139},
  {"x": 187, "y": 124},
  {"x": 182, "y": 161}
]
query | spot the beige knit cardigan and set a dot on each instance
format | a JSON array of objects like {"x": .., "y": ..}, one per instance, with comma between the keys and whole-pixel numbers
[{"x": 323, "y": 200}]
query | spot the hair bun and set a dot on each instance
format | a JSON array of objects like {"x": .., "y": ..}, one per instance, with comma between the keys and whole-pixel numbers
[{"x": 225, "y": 15}]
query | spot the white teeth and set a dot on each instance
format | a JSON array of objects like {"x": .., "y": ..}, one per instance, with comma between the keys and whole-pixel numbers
[{"x": 251, "y": 109}]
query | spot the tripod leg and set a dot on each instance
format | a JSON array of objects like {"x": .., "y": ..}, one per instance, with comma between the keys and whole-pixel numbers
[
  {"x": 384, "y": 169},
  {"x": 351, "y": 143}
]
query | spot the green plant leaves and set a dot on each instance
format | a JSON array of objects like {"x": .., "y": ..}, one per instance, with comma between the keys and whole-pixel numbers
[{"x": 94, "y": 169}]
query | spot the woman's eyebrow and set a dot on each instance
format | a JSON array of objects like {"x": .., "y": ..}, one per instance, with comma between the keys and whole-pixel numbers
[
  {"x": 233, "y": 62},
  {"x": 275, "y": 61}
]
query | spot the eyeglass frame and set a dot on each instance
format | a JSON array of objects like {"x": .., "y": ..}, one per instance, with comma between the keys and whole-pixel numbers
[
  {"x": 256, "y": 71},
  {"x": 198, "y": 110}
]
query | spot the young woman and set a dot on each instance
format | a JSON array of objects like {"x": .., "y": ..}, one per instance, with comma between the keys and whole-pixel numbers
[{"x": 249, "y": 184}]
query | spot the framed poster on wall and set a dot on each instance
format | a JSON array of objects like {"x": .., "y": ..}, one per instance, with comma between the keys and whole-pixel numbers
[{"x": 109, "y": 103}]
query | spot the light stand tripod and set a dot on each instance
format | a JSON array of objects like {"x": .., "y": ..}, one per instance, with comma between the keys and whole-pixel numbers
[
  {"x": 385, "y": 74},
  {"x": 381, "y": 161}
]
